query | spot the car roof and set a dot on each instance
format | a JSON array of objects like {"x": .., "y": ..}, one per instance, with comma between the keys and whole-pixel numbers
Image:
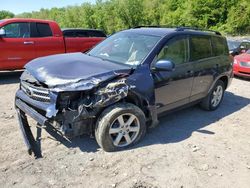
[
  {"x": 152, "y": 31},
  {"x": 162, "y": 32},
  {"x": 26, "y": 20}
]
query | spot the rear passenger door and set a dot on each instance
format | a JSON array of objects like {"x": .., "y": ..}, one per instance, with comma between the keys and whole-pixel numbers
[
  {"x": 45, "y": 42},
  {"x": 173, "y": 88},
  {"x": 206, "y": 65}
]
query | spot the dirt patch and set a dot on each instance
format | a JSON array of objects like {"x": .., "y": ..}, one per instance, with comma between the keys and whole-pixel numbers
[{"x": 190, "y": 148}]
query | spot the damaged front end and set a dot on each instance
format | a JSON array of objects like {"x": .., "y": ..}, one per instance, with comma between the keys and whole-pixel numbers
[{"x": 71, "y": 108}]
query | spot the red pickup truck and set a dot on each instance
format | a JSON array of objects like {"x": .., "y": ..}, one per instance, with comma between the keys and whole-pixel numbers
[{"x": 22, "y": 40}]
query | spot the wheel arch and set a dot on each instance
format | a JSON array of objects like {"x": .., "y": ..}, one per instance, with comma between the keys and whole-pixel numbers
[
  {"x": 138, "y": 101},
  {"x": 224, "y": 78},
  {"x": 130, "y": 98}
]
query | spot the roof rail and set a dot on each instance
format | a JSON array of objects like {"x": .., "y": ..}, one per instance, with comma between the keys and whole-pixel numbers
[
  {"x": 197, "y": 29},
  {"x": 140, "y": 26},
  {"x": 181, "y": 28}
]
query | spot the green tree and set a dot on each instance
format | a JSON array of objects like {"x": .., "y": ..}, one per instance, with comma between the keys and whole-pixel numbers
[
  {"x": 6, "y": 14},
  {"x": 238, "y": 21},
  {"x": 230, "y": 16}
]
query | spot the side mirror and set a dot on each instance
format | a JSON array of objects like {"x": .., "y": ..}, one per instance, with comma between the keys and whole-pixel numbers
[
  {"x": 164, "y": 65},
  {"x": 2, "y": 32}
]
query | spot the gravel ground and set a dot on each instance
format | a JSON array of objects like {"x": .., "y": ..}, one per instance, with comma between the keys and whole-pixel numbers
[{"x": 190, "y": 148}]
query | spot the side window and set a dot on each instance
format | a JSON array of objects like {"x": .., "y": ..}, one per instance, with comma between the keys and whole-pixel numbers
[
  {"x": 243, "y": 44},
  {"x": 246, "y": 45},
  {"x": 175, "y": 50},
  {"x": 17, "y": 30},
  {"x": 69, "y": 34},
  {"x": 96, "y": 34},
  {"x": 219, "y": 46},
  {"x": 200, "y": 47},
  {"x": 81, "y": 34},
  {"x": 43, "y": 30}
]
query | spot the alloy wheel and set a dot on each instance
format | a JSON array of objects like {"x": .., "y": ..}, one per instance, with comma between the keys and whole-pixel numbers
[
  {"x": 124, "y": 129},
  {"x": 217, "y": 96}
]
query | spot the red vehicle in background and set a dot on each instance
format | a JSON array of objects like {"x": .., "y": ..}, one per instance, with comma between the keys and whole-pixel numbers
[
  {"x": 22, "y": 40},
  {"x": 242, "y": 65}
]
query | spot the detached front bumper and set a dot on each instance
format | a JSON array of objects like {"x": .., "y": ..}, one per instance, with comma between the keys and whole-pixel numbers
[
  {"x": 30, "y": 142},
  {"x": 24, "y": 107},
  {"x": 68, "y": 123}
]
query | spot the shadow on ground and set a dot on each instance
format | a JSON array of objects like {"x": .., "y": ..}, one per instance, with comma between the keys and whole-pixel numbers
[
  {"x": 10, "y": 77},
  {"x": 178, "y": 126},
  {"x": 174, "y": 127},
  {"x": 242, "y": 78}
]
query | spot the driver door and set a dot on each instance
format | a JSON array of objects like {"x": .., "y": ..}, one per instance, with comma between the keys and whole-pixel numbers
[
  {"x": 173, "y": 88},
  {"x": 16, "y": 46}
]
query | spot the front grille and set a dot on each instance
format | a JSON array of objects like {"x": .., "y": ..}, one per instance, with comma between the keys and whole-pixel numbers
[
  {"x": 245, "y": 64},
  {"x": 36, "y": 93}
]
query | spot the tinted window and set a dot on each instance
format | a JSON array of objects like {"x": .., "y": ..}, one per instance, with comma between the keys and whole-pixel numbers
[
  {"x": 219, "y": 46},
  {"x": 81, "y": 34},
  {"x": 69, "y": 33},
  {"x": 200, "y": 47},
  {"x": 175, "y": 50},
  {"x": 43, "y": 30},
  {"x": 17, "y": 30},
  {"x": 96, "y": 34},
  {"x": 246, "y": 45}
]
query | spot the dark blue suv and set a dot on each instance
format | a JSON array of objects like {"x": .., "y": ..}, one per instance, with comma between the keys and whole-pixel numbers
[{"x": 120, "y": 87}]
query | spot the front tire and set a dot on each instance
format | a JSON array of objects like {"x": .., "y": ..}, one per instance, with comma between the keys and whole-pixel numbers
[
  {"x": 120, "y": 126},
  {"x": 214, "y": 98}
]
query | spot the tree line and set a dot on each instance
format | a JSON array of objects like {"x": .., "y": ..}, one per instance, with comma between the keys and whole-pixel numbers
[{"x": 226, "y": 16}]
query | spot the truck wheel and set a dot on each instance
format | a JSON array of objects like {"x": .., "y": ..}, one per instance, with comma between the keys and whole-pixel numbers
[
  {"x": 214, "y": 98},
  {"x": 120, "y": 126}
]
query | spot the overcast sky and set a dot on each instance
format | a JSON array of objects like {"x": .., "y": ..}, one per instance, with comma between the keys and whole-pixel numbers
[{"x": 20, "y": 6}]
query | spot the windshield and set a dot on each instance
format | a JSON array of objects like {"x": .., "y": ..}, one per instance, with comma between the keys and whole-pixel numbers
[
  {"x": 233, "y": 44},
  {"x": 125, "y": 48}
]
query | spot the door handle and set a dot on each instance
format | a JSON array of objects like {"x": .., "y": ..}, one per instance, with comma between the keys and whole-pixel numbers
[{"x": 28, "y": 42}]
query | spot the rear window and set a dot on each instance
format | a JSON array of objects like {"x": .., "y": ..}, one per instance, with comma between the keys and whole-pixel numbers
[
  {"x": 219, "y": 46},
  {"x": 43, "y": 30},
  {"x": 200, "y": 47}
]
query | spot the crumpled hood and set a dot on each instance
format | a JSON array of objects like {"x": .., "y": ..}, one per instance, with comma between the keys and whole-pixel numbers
[{"x": 75, "y": 68}]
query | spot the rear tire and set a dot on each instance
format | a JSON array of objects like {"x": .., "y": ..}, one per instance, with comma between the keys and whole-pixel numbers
[
  {"x": 214, "y": 98},
  {"x": 120, "y": 126}
]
